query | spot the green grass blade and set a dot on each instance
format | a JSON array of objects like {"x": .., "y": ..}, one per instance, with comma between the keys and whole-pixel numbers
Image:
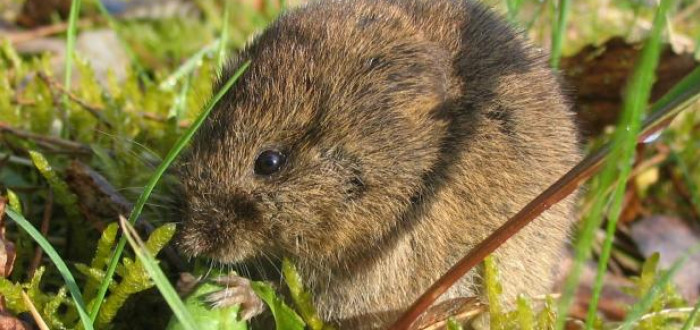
[
  {"x": 559, "y": 33},
  {"x": 685, "y": 92},
  {"x": 68, "y": 65},
  {"x": 635, "y": 102},
  {"x": 177, "y": 112},
  {"x": 138, "y": 207},
  {"x": 616, "y": 170},
  {"x": 645, "y": 303},
  {"x": 60, "y": 265},
  {"x": 189, "y": 66},
  {"x": 224, "y": 37},
  {"x": 150, "y": 264},
  {"x": 513, "y": 7}
]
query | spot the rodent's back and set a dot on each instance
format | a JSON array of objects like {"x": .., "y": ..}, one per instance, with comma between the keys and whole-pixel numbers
[
  {"x": 414, "y": 128},
  {"x": 510, "y": 135}
]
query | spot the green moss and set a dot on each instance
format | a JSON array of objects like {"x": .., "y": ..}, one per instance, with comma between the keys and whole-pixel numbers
[{"x": 134, "y": 276}]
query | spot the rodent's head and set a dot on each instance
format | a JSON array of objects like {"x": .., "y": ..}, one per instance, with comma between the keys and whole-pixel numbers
[{"x": 323, "y": 142}]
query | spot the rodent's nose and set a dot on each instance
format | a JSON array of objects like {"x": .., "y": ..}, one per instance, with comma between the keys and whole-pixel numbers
[{"x": 243, "y": 207}]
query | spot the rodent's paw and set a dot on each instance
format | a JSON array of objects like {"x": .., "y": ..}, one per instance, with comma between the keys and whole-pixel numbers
[{"x": 237, "y": 291}]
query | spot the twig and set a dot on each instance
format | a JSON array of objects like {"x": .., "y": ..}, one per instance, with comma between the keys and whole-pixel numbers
[
  {"x": 3, "y": 203},
  {"x": 16, "y": 38},
  {"x": 46, "y": 219},
  {"x": 555, "y": 193},
  {"x": 657, "y": 121},
  {"x": 46, "y": 140},
  {"x": 161, "y": 119},
  {"x": 20, "y": 101},
  {"x": 7, "y": 158},
  {"x": 94, "y": 110},
  {"x": 652, "y": 162}
]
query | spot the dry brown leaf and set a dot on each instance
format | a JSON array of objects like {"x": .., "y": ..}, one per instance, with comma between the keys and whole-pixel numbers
[
  {"x": 613, "y": 302},
  {"x": 35, "y": 313},
  {"x": 39, "y": 12},
  {"x": 597, "y": 76},
  {"x": 98, "y": 200},
  {"x": 9, "y": 322},
  {"x": 7, "y": 248}
]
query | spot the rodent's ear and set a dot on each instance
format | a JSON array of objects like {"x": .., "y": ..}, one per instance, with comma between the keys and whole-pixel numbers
[
  {"x": 416, "y": 75},
  {"x": 429, "y": 105},
  {"x": 427, "y": 97}
]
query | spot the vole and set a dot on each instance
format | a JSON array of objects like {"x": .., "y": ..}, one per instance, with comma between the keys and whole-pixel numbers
[{"x": 374, "y": 143}]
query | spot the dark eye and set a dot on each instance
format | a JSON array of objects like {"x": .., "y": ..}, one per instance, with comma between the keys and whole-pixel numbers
[{"x": 269, "y": 162}]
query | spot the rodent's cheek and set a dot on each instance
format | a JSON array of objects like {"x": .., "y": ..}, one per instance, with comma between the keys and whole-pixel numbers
[
  {"x": 307, "y": 224},
  {"x": 189, "y": 241}
]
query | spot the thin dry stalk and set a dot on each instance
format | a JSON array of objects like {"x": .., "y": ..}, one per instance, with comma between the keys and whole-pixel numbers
[
  {"x": 3, "y": 202},
  {"x": 46, "y": 220},
  {"x": 45, "y": 140},
  {"x": 16, "y": 38},
  {"x": 35, "y": 313},
  {"x": 94, "y": 110}
]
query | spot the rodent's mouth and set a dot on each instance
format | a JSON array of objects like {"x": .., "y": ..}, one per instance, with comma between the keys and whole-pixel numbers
[
  {"x": 229, "y": 256},
  {"x": 193, "y": 243}
]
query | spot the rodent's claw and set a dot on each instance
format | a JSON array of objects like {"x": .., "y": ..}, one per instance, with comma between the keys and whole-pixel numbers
[{"x": 237, "y": 292}]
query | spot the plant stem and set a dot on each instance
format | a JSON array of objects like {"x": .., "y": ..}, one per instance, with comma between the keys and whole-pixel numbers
[
  {"x": 68, "y": 65},
  {"x": 619, "y": 166},
  {"x": 559, "y": 33}
]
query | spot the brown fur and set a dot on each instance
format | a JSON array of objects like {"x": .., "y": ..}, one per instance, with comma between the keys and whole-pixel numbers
[{"x": 414, "y": 128}]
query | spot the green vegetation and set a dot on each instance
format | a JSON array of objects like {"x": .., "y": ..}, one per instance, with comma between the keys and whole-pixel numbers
[
  {"x": 617, "y": 168},
  {"x": 652, "y": 287}
]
